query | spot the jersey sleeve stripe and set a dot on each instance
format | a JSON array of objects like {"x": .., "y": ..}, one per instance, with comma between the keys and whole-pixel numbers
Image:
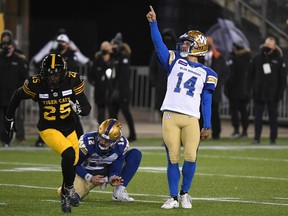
[
  {"x": 28, "y": 91},
  {"x": 212, "y": 80},
  {"x": 79, "y": 89}
]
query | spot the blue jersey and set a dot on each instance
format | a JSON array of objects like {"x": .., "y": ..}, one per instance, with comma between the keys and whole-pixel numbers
[{"x": 92, "y": 160}]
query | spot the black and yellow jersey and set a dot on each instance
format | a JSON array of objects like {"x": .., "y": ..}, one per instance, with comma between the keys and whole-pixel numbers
[{"x": 54, "y": 104}]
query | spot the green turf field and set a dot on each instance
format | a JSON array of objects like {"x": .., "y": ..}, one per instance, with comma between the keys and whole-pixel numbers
[{"x": 233, "y": 177}]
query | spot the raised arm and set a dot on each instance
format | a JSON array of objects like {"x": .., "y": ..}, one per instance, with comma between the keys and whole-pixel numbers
[{"x": 161, "y": 49}]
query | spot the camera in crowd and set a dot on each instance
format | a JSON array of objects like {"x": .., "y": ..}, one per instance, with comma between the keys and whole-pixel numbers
[{"x": 104, "y": 52}]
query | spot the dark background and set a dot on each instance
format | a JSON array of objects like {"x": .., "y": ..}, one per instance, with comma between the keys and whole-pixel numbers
[{"x": 89, "y": 22}]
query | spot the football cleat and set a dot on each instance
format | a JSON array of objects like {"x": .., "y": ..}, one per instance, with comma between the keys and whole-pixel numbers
[
  {"x": 74, "y": 198},
  {"x": 39, "y": 143},
  {"x": 256, "y": 142},
  {"x": 65, "y": 204},
  {"x": 185, "y": 200},
  {"x": 121, "y": 196},
  {"x": 235, "y": 135},
  {"x": 170, "y": 204}
]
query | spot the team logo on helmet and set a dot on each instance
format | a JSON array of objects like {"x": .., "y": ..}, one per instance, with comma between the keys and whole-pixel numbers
[{"x": 192, "y": 43}]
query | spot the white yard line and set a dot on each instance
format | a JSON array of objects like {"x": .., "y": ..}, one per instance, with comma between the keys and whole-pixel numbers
[
  {"x": 163, "y": 169},
  {"x": 240, "y": 147},
  {"x": 202, "y": 155},
  {"x": 281, "y": 198},
  {"x": 248, "y": 177},
  {"x": 205, "y": 147},
  {"x": 141, "y": 169},
  {"x": 243, "y": 158},
  {"x": 212, "y": 199},
  {"x": 28, "y": 164}
]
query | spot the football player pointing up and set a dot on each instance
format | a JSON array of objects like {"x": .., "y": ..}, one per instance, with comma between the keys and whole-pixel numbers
[
  {"x": 59, "y": 93},
  {"x": 189, "y": 84}
]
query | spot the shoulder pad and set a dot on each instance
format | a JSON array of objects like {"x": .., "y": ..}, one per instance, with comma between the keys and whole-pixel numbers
[
  {"x": 72, "y": 75},
  {"x": 85, "y": 141},
  {"x": 31, "y": 84},
  {"x": 81, "y": 142},
  {"x": 123, "y": 144},
  {"x": 76, "y": 81}
]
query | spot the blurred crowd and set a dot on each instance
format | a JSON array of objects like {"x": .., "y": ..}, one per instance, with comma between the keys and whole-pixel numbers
[
  {"x": 242, "y": 78},
  {"x": 109, "y": 72}
]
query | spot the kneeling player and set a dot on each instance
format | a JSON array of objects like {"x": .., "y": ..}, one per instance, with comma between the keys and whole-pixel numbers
[{"x": 102, "y": 156}]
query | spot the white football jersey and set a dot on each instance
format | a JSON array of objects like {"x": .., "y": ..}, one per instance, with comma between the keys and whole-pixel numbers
[{"x": 185, "y": 84}]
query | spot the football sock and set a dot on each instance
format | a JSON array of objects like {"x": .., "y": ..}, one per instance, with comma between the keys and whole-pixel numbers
[
  {"x": 182, "y": 192},
  {"x": 68, "y": 170},
  {"x": 120, "y": 188},
  {"x": 175, "y": 198},
  {"x": 173, "y": 174},
  {"x": 188, "y": 171}
]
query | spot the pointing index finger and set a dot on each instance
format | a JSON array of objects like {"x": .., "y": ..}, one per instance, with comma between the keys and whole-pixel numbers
[{"x": 151, "y": 8}]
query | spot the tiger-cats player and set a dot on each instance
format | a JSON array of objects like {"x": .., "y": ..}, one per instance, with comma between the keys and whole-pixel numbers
[{"x": 59, "y": 93}]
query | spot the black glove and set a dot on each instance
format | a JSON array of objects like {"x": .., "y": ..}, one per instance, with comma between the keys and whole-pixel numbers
[{"x": 8, "y": 130}]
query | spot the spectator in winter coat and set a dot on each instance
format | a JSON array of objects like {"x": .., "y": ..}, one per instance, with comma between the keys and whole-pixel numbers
[
  {"x": 238, "y": 87},
  {"x": 268, "y": 76},
  {"x": 13, "y": 72},
  {"x": 99, "y": 76},
  {"x": 120, "y": 88},
  {"x": 216, "y": 61}
]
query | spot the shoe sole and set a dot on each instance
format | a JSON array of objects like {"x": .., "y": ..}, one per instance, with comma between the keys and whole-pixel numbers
[
  {"x": 65, "y": 208},
  {"x": 169, "y": 207},
  {"x": 118, "y": 200},
  {"x": 186, "y": 207},
  {"x": 74, "y": 204}
]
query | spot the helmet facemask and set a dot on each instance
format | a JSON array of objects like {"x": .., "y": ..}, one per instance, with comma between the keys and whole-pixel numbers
[
  {"x": 184, "y": 48},
  {"x": 54, "y": 80},
  {"x": 109, "y": 133},
  {"x": 105, "y": 144},
  {"x": 53, "y": 70}
]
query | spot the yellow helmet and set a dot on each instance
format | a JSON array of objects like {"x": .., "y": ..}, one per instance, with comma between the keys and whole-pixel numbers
[
  {"x": 109, "y": 131},
  {"x": 198, "y": 46}
]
